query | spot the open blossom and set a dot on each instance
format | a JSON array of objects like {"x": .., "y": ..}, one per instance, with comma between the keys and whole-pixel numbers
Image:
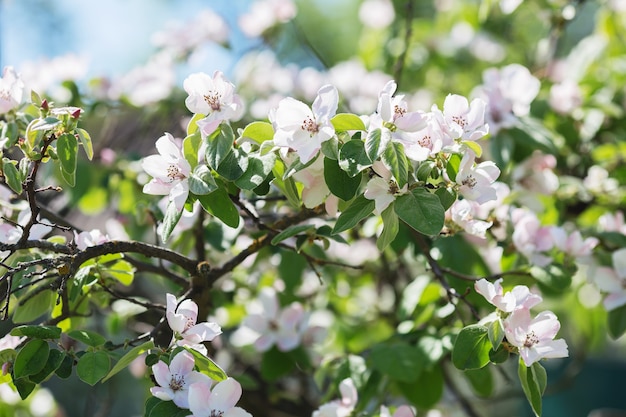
[
  {"x": 265, "y": 14},
  {"x": 402, "y": 411},
  {"x": 174, "y": 380},
  {"x": 535, "y": 337},
  {"x": 612, "y": 280},
  {"x": 382, "y": 188},
  {"x": 214, "y": 97},
  {"x": 303, "y": 129},
  {"x": 11, "y": 90},
  {"x": 270, "y": 325},
  {"x": 573, "y": 243},
  {"x": 530, "y": 237},
  {"x": 426, "y": 142},
  {"x": 536, "y": 174},
  {"x": 463, "y": 213},
  {"x": 612, "y": 222},
  {"x": 565, "y": 97},
  {"x": 343, "y": 407},
  {"x": 170, "y": 171},
  {"x": 91, "y": 238},
  {"x": 219, "y": 401},
  {"x": 519, "y": 297},
  {"x": 508, "y": 91},
  {"x": 476, "y": 181},
  {"x": 461, "y": 119},
  {"x": 182, "y": 320}
]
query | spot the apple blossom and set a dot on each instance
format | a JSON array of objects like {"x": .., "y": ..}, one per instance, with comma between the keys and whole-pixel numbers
[
  {"x": 612, "y": 280},
  {"x": 476, "y": 181},
  {"x": 530, "y": 237},
  {"x": 91, "y": 238},
  {"x": 12, "y": 90},
  {"x": 536, "y": 174},
  {"x": 426, "y": 142},
  {"x": 612, "y": 222},
  {"x": 343, "y": 407},
  {"x": 175, "y": 380},
  {"x": 382, "y": 188},
  {"x": 534, "y": 338},
  {"x": 303, "y": 129},
  {"x": 519, "y": 297},
  {"x": 565, "y": 97},
  {"x": 217, "y": 402},
  {"x": 461, "y": 119},
  {"x": 573, "y": 243},
  {"x": 213, "y": 97},
  {"x": 170, "y": 171},
  {"x": 182, "y": 320},
  {"x": 268, "y": 325},
  {"x": 462, "y": 212},
  {"x": 402, "y": 411},
  {"x": 598, "y": 181},
  {"x": 315, "y": 189}
]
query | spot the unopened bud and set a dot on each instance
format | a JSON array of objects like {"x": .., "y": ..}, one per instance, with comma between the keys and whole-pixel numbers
[
  {"x": 44, "y": 105},
  {"x": 76, "y": 114}
]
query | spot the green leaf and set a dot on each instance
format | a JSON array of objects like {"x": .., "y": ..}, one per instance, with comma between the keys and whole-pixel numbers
[
  {"x": 259, "y": 167},
  {"x": 34, "y": 306},
  {"x": 353, "y": 158},
  {"x": 12, "y": 175},
  {"x": 330, "y": 148},
  {"x": 359, "y": 209},
  {"x": 48, "y": 123},
  {"x": 192, "y": 126},
  {"x": 552, "y": 276},
  {"x": 31, "y": 358},
  {"x": 24, "y": 387},
  {"x": 233, "y": 165},
  {"x": 496, "y": 333},
  {"x": 421, "y": 210},
  {"x": 128, "y": 357},
  {"x": 64, "y": 370},
  {"x": 93, "y": 366},
  {"x": 85, "y": 140},
  {"x": 394, "y": 158},
  {"x": 207, "y": 366},
  {"x": 258, "y": 132},
  {"x": 481, "y": 380},
  {"x": 452, "y": 167},
  {"x": 426, "y": 392},
  {"x": 172, "y": 216},
  {"x": 474, "y": 147},
  {"x": 219, "y": 145},
  {"x": 37, "y": 332},
  {"x": 617, "y": 322},
  {"x": 376, "y": 142},
  {"x": 391, "y": 226},
  {"x": 287, "y": 186},
  {"x": 191, "y": 148},
  {"x": 534, "y": 381},
  {"x": 292, "y": 231},
  {"x": 166, "y": 409},
  {"x": 471, "y": 348},
  {"x": 400, "y": 362},
  {"x": 201, "y": 181},
  {"x": 55, "y": 358},
  {"x": 122, "y": 271},
  {"x": 219, "y": 204},
  {"x": 499, "y": 355},
  {"x": 347, "y": 121},
  {"x": 87, "y": 337},
  {"x": 339, "y": 182},
  {"x": 533, "y": 133},
  {"x": 447, "y": 197},
  {"x": 67, "y": 149}
]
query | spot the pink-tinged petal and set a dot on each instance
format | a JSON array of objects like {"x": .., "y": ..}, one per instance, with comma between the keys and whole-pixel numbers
[
  {"x": 529, "y": 356},
  {"x": 189, "y": 309},
  {"x": 179, "y": 193},
  {"x": 264, "y": 342},
  {"x": 168, "y": 148},
  {"x": 291, "y": 316},
  {"x": 411, "y": 122},
  {"x": 205, "y": 331},
  {"x": 177, "y": 322},
  {"x": 545, "y": 325},
  {"x": 619, "y": 262},
  {"x": 606, "y": 280},
  {"x": 155, "y": 166},
  {"x": 524, "y": 298},
  {"x": 326, "y": 102},
  {"x": 225, "y": 394},
  {"x": 208, "y": 125},
  {"x": 476, "y": 113},
  {"x": 162, "y": 393},
  {"x": 171, "y": 304},
  {"x": 308, "y": 151},
  {"x": 256, "y": 322},
  {"x": 287, "y": 340},
  {"x": 489, "y": 170},
  {"x": 182, "y": 364},
  {"x": 199, "y": 398},
  {"x": 269, "y": 300},
  {"x": 487, "y": 289},
  {"x": 384, "y": 109},
  {"x": 161, "y": 373},
  {"x": 237, "y": 412},
  {"x": 553, "y": 349},
  {"x": 291, "y": 113},
  {"x": 157, "y": 187},
  {"x": 349, "y": 394},
  {"x": 404, "y": 411},
  {"x": 455, "y": 105},
  {"x": 615, "y": 300}
]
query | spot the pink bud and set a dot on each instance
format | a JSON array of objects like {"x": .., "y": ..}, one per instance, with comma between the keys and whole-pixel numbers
[{"x": 76, "y": 114}]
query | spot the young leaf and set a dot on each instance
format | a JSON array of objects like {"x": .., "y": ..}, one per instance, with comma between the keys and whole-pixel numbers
[
  {"x": 93, "y": 366},
  {"x": 130, "y": 356},
  {"x": 400, "y": 362},
  {"x": 233, "y": 165},
  {"x": 376, "y": 142},
  {"x": 397, "y": 162},
  {"x": 85, "y": 140},
  {"x": 359, "y": 209},
  {"x": 201, "y": 181},
  {"x": 87, "y": 337},
  {"x": 617, "y": 322},
  {"x": 496, "y": 333},
  {"x": 353, "y": 158},
  {"x": 421, "y": 210},
  {"x": 474, "y": 147},
  {"x": 207, "y": 366},
  {"x": 259, "y": 167},
  {"x": 172, "y": 216},
  {"x": 339, "y": 182},
  {"x": 218, "y": 204},
  {"x": 481, "y": 380},
  {"x": 191, "y": 148},
  {"x": 34, "y": 306},
  {"x": 220, "y": 144},
  {"x": 24, "y": 387},
  {"x": 447, "y": 197},
  {"x": 67, "y": 149},
  {"x": 192, "y": 126},
  {"x": 471, "y": 348},
  {"x": 55, "y": 358},
  {"x": 292, "y": 231},
  {"x": 31, "y": 358},
  {"x": 37, "y": 332},
  {"x": 452, "y": 167},
  {"x": 258, "y": 132},
  {"x": 122, "y": 271},
  {"x": 534, "y": 381},
  {"x": 347, "y": 121},
  {"x": 12, "y": 175},
  {"x": 391, "y": 226}
]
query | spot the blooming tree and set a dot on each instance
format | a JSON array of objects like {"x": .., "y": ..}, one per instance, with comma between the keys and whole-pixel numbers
[{"x": 328, "y": 240}]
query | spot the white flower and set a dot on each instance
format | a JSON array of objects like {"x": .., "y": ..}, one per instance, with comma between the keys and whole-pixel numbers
[
  {"x": 534, "y": 337},
  {"x": 11, "y": 90},
  {"x": 613, "y": 280},
  {"x": 343, "y": 407},
  {"x": 476, "y": 182},
  {"x": 376, "y": 14},
  {"x": 182, "y": 320},
  {"x": 519, "y": 297},
  {"x": 530, "y": 238},
  {"x": 463, "y": 212},
  {"x": 266, "y": 14},
  {"x": 565, "y": 97},
  {"x": 303, "y": 129},
  {"x": 214, "y": 97},
  {"x": 91, "y": 238},
  {"x": 315, "y": 189},
  {"x": 170, "y": 171},
  {"x": 382, "y": 188},
  {"x": 175, "y": 379},
  {"x": 573, "y": 244},
  {"x": 536, "y": 174},
  {"x": 217, "y": 402},
  {"x": 462, "y": 119}
]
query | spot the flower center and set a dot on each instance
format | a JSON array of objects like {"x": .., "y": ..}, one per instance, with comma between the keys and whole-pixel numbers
[
  {"x": 216, "y": 413},
  {"x": 177, "y": 382},
  {"x": 189, "y": 323},
  {"x": 310, "y": 126},
  {"x": 531, "y": 340},
  {"x": 5, "y": 94},
  {"x": 213, "y": 100},
  {"x": 470, "y": 181},
  {"x": 460, "y": 120},
  {"x": 425, "y": 142},
  {"x": 174, "y": 173},
  {"x": 393, "y": 187},
  {"x": 398, "y": 112}
]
